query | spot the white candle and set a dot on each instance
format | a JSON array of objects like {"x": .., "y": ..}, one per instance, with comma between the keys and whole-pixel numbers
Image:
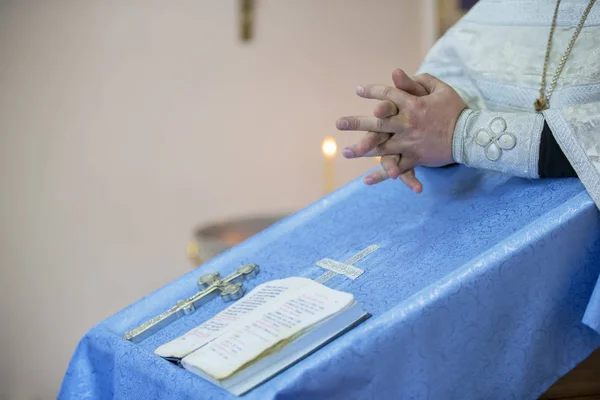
[{"x": 329, "y": 151}]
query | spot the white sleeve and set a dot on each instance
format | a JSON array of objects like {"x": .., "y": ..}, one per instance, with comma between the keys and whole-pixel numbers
[
  {"x": 577, "y": 132},
  {"x": 499, "y": 141},
  {"x": 444, "y": 62}
]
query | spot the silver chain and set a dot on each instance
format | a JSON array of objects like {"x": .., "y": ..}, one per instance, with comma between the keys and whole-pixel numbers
[{"x": 563, "y": 60}]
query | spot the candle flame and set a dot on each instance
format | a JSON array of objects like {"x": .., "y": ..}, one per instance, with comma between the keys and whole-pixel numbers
[{"x": 329, "y": 147}]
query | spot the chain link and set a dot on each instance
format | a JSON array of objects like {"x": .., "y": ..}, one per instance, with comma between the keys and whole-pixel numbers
[{"x": 563, "y": 60}]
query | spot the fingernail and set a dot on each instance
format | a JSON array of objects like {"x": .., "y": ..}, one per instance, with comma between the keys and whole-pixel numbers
[
  {"x": 343, "y": 124},
  {"x": 360, "y": 90},
  {"x": 348, "y": 153},
  {"x": 369, "y": 180}
]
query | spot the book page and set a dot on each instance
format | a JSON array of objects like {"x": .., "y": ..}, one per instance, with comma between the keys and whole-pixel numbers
[
  {"x": 268, "y": 330},
  {"x": 201, "y": 335}
]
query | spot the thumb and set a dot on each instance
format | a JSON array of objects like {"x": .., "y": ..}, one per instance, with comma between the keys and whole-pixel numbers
[
  {"x": 403, "y": 82},
  {"x": 429, "y": 82}
]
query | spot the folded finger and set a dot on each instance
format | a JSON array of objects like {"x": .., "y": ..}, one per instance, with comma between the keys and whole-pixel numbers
[
  {"x": 390, "y": 164},
  {"x": 365, "y": 124},
  {"x": 404, "y": 82},
  {"x": 384, "y": 92},
  {"x": 368, "y": 142},
  {"x": 409, "y": 178},
  {"x": 394, "y": 145},
  {"x": 385, "y": 109},
  {"x": 406, "y": 167},
  {"x": 405, "y": 164},
  {"x": 376, "y": 177}
]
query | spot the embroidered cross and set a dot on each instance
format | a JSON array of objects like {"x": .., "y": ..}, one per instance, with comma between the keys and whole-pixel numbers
[
  {"x": 494, "y": 139},
  {"x": 344, "y": 268}
]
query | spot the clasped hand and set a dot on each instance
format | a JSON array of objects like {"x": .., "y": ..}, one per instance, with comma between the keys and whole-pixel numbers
[{"x": 412, "y": 125}]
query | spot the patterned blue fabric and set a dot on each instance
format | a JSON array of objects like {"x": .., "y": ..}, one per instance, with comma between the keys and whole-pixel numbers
[{"x": 478, "y": 291}]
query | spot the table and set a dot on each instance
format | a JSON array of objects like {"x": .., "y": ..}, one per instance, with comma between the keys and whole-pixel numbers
[{"x": 485, "y": 286}]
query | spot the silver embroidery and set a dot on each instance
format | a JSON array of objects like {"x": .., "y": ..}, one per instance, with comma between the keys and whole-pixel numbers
[
  {"x": 492, "y": 58},
  {"x": 574, "y": 151},
  {"x": 495, "y": 138},
  {"x": 481, "y": 137}
]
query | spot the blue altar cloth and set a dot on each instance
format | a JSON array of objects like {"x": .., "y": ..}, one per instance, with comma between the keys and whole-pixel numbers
[{"x": 485, "y": 287}]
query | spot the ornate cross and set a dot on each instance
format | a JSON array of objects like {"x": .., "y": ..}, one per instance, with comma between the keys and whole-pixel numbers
[{"x": 211, "y": 285}]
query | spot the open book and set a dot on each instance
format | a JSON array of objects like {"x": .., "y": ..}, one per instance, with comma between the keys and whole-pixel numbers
[{"x": 272, "y": 327}]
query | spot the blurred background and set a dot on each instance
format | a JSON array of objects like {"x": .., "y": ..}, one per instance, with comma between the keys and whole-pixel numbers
[{"x": 126, "y": 126}]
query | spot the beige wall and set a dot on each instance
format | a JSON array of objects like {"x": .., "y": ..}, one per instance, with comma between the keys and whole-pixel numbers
[{"x": 126, "y": 124}]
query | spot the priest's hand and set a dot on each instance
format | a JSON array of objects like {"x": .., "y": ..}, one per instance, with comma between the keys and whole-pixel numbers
[
  {"x": 371, "y": 140},
  {"x": 419, "y": 134}
]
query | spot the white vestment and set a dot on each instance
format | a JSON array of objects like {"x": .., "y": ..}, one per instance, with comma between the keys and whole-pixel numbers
[{"x": 494, "y": 58}]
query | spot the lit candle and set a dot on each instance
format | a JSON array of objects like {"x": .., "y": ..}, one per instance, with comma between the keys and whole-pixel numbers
[
  {"x": 193, "y": 252},
  {"x": 329, "y": 151}
]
